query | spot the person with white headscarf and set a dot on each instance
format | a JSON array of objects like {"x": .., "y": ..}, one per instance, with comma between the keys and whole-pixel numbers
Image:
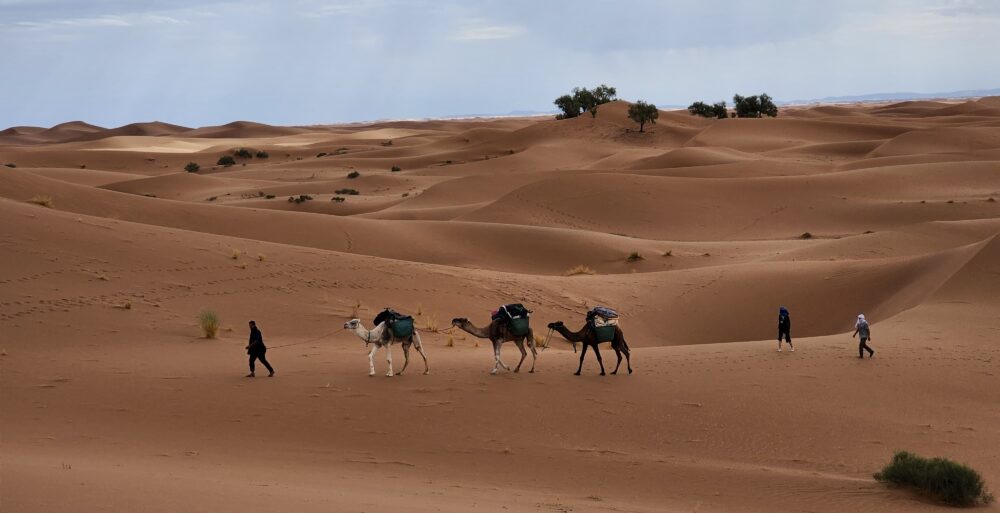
[{"x": 861, "y": 328}]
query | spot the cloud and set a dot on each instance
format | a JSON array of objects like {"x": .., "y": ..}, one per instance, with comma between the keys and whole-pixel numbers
[
  {"x": 479, "y": 31},
  {"x": 103, "y": 21}
]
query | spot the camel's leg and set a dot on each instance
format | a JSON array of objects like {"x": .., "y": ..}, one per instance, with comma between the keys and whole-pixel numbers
[
  {"x": 406, "y": 356},
  {"x": 388, "y": 358},
  {"x": 524, "y": 354},
  {"x": 534, "y": 354},
  {"x": 628, "y": 360},
  {"x": 582, "y": 354},
  {"x": 371, "y": 360},
  {"x": 618, "y": 353},
  {"x": 496, "y": 354},
  {"x": 599, "y": 360},
  {"x": 420, "y": 349}
]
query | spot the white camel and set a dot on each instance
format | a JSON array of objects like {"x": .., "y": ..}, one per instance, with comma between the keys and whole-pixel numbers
[{"x": 380, "y": 336}]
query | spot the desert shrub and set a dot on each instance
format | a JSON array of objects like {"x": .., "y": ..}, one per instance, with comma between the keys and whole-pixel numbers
[
  {"x": 806, "y": 235},
  {"x": 387, "y": 143},
  {"x": 943, "y": 479},
  {"x": 349, "y": 192},
  {"x": 301, "y": 198},
  {"x": 634, "y": 256},
  {"x": 243, "y": 153},
  {"x": 45, "y": 201},
  {"x": 668, "y": 253},
  {"x": 261, "y": 257},
  {"x": 262, "y": 154},
  {"x": 10, "y": 165},
  {"x": 353, "y": 174},
  {"x": 213, "y": 198},
  {"x": 578, "y": 270},
  {"x": 396, "y": 169},
  {"x": 269, "y": 196},
  {"x": 226, "y": 160},
  {"x": 754, "y": 106},
  {"x": 717, "y": 110},
  {"x": 321, "y": 154},
  {"x": 209, "y": 323},
  {"x": 235, "y": 255},
  {"x": 192, "y": 167},
  {"x": 642, "y": 113},
  {"x": 338, "y": 199},
  {"x": 405, "y": 194}
]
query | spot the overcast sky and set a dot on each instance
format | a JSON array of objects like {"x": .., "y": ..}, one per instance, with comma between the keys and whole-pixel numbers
[{"x": 112, "y": 62}]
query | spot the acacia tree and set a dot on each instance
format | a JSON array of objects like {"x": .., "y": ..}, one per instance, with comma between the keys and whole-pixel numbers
[
  {"x": 568, "y": 105},
  {"x": 642, "y": 113},
  {"x": 716, "y": 110},
  {"x": 754, "y": 106},
  {"x": 584, "y": 100}
]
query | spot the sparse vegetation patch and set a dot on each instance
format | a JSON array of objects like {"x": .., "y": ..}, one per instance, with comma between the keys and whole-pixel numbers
[
  {"x": 940, "y": 478},
  {"x": 578, "y": 270},
  {"x": 209, "y": 323},
  {"x": 192, "y": 167},
  {"x": 43, "y": 200},
  {"x": 226, "y": 160},
  {"x": 349, "y": 192},
  {"x": 634, "y": 256}
]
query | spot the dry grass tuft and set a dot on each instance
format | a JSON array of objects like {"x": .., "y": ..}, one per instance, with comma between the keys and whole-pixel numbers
[
  {"x": 209, "y": 323},
  {"x": 431, "y": 324},
  {"x": 45, "y": 201},
  {"x": 261, "y": 257},
  {"x": 236, "y": 254},
  {"x": 451, "y": 341},
  {"x": 634, "y": 256},
  {"x": 580, "y": 269},
  {"x": 127, "y": 305},
  {"x": 668, "y": 253},
  {"x": 356, "y": 309}
]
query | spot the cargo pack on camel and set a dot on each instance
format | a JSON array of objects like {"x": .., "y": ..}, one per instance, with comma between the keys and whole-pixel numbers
[
  {"x": 401, "y": 326},
  {"x": 604, "y": 321},
  {"x": 516, "y": 316}
]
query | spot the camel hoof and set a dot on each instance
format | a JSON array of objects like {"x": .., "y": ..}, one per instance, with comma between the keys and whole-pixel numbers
[
  {"x": 389, "y": 375},
  {"x": 427, "y": 372},
  {"x": 370, "y": 374},
  {"x": 576, "y": 373},
  {"x": 532, "y": 371},
  {"x": 517, "y": 370},
  {"x": 630, "y": 371},
  {"x": 614, "y": 373},
  {"x": 602, "y": 374},
  {"x": 494, "y": 371}
]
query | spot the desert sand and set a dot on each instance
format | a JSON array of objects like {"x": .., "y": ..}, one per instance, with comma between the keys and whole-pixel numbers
[{"x": 112, "y": 401}]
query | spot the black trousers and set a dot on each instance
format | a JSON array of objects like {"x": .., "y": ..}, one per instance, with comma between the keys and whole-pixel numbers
[
  {"x": 863, "y": 346},
  {"x": 259, "y": 356},
  {"x": 786, "y": 335}
]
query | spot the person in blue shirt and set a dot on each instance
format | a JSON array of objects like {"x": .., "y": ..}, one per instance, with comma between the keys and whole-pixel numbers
[{"x": 784, "y": 328}]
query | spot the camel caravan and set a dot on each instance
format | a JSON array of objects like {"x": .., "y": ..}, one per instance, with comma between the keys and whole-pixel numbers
[{"x": 509, "y": 323}]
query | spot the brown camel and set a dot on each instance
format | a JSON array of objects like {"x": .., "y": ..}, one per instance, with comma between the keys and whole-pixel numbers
[
  {"x": 588, "y": 336},
  {"x": 499, "y": 332}
]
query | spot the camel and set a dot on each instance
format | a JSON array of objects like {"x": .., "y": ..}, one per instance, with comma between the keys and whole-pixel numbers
[
  {"x": 499, "y": 332},
  {"x": 380, "y": 336},
  {"x": 588, "y": 336}
]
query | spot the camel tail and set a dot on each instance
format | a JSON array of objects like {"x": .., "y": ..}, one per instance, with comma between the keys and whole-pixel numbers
[{"x": 620, "y": 343}]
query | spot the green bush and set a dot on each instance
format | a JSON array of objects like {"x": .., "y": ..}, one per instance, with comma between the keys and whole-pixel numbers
[
  {"x": 338, "y": 199},
  {"x": 396, "y": 169},
  {"x": 642, "y": 113},
  {"x": 262, "y": 154},
  {"x": 754, "y": 106},
  {"x": 353, "y": 174},
  {"x": 943, "y": 479},
  {"x": 226, "y": 160},
  {"x": 192, "y": 167},
  {"x": 302, "y": 198},
  {"x": 349, "y": 192},
  {"x": 243, "y": 153}
]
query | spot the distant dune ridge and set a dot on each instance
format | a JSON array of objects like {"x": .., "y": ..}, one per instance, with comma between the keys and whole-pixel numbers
[{"x": 113, "y": 402}]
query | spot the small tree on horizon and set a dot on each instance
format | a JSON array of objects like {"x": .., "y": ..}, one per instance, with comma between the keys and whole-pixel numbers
[
  {"x": 583, "y": 100},
  {"x": 754, "y": 106},
  {"x": 716, "y": 110},
  {"x": 568, "y": 105},
  {"x": 642, "y": 113}
]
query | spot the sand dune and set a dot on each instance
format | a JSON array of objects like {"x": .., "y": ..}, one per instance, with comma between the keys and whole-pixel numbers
[{"x": 696, "y": 230}]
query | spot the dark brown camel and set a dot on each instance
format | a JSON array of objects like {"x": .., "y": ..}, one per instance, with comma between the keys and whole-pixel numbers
[
  {"x": 588, "y": 336},
  {"x": 499, "y": 332}
]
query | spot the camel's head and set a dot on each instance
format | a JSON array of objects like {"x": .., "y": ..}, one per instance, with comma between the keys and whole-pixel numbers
[
  {"x": 352, "y": 324},
  {"x": 459, "y": 321},
  {"x": 555, "y": 325}
]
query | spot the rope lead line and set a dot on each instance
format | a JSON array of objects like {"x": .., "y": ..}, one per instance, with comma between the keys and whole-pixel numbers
[{"x": 310, "y": 340}]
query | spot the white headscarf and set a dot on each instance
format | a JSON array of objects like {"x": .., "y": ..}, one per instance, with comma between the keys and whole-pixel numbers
[{"x": 861, "y": 320}]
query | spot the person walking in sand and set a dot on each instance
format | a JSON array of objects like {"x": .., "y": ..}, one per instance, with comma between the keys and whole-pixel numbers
[
  {"x": 256, "y": 350},
  {"x": 784, "y": 328},
  {"x": 861, "y": 328}
]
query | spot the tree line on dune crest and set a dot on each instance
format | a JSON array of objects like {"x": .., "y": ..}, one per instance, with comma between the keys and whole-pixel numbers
[
  {"x": 581, "y": 100},
  {"x": 745, "y": 107}
]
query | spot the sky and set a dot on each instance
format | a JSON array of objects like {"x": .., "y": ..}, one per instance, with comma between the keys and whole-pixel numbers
[{"x": 197, "y": 63}]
